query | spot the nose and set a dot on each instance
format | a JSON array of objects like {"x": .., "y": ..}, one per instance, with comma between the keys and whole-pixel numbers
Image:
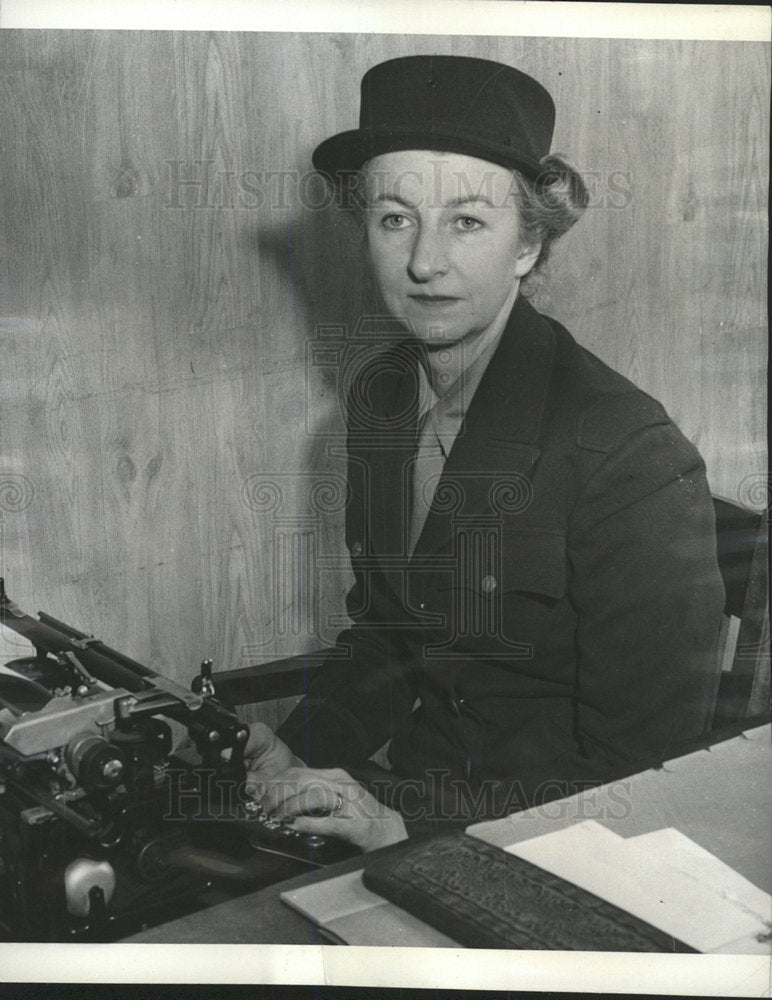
[{"x": 428, "y": 256}]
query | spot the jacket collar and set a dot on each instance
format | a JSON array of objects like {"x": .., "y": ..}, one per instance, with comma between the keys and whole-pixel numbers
[
  {"x": 499, "y": 437},
  {"x": 498, "y": 442},
  {"x": 509, "y": 403}
]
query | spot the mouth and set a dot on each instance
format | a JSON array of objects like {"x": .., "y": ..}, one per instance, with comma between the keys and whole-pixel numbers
[{"x": 433, "y": 300}]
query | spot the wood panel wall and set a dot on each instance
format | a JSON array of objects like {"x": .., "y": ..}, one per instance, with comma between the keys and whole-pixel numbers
[{"x": 170, "y": 472}]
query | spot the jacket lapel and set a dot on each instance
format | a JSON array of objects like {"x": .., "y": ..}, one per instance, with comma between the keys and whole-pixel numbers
[
  {"x": 498, "y": 440},
  {"x": 389, "y": 461}
]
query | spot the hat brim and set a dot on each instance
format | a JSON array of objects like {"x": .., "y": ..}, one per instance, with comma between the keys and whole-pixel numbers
[{"x": 349, "y": 151}]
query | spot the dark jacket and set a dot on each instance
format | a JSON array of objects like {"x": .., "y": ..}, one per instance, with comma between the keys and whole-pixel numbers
[{"x": 556, "y": 625}]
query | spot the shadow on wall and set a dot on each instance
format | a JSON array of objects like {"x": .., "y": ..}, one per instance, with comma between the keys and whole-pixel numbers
[
  {"x": 317, "y": 265},
  {"x": 320, "y": 257}
]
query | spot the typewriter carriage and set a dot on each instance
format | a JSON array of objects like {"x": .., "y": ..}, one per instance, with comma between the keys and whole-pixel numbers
[{"x": 103, "y": 827}]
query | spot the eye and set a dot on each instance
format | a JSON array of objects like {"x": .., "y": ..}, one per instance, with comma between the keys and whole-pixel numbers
[
  {"x": 395, "y": 221},
  {"x": 468, "y": 224}
]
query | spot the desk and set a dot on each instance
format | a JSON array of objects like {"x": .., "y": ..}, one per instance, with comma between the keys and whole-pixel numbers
[{"x": 720, "y": 797}]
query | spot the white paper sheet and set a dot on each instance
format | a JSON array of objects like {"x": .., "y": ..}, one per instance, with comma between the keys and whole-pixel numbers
[
  {"x": 351, "y": 913},
  {"x": 685, "y": 892}
]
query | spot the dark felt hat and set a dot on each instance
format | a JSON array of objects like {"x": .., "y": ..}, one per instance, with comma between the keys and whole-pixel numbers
[{"x": 450, "y": 104}]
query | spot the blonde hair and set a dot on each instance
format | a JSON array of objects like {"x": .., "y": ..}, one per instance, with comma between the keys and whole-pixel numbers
[{"x": 550, "y": 205}]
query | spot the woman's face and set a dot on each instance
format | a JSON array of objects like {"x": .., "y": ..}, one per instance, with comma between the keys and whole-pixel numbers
[{"x": 443, "y": 233}]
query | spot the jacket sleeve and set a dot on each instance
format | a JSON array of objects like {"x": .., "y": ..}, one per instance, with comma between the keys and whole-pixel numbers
[
  {"x": 648, "y": 597},
  {"x": 360, "y": 696}
]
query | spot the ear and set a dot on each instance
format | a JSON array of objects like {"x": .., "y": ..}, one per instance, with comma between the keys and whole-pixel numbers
[{"x": 526, "y": 259}]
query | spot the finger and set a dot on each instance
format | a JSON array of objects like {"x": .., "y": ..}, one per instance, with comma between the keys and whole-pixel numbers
[
  {"x": 367, "y": 834},
  {"x": 260, "y": 739},
  {"x": 324, "y": 826},
  {"x": 294, "y": 794},
  {"x": 258, "y": 781},
  {"x": 308, "y": 802},
  {"x": 255, "y": 785},
  {"x": 335, "y": 774}
]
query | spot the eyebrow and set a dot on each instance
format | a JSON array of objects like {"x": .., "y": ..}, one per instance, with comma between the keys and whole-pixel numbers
[{"x": 453, "y": 203}]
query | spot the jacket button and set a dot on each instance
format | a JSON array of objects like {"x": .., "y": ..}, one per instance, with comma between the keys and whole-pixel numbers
[
  {"x": 488, "y": 584},
  {"x": 356, "y": 549}
]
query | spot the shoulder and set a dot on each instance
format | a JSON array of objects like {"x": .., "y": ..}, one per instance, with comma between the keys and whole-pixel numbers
[
  {"x": 601, "y": 406},
  {"x": 621, "y": 441}
]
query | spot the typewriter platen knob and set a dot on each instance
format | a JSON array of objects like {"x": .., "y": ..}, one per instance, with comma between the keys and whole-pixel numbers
[
  {"x": 94, "y": 762},
  {"x": 81, "y": 877}
]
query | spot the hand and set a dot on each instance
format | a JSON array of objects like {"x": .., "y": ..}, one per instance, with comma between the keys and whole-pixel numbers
[
  {"x": 265, "y": 756},
  {"x": 348, "y": 811}
]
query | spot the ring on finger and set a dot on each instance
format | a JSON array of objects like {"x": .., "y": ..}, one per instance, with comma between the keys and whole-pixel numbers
[{"x": 337, "y": 809}]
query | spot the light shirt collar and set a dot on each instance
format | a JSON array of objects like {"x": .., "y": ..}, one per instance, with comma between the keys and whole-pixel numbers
[{"x": 447, "y": 412}]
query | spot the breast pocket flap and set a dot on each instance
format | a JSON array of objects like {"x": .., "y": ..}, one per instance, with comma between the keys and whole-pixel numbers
[{"x": 534, "y": 562}]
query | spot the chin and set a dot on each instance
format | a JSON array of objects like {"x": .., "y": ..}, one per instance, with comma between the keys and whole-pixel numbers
[
  {"x": 434, "y": 341},
  {"x": 437, "y": 335}
]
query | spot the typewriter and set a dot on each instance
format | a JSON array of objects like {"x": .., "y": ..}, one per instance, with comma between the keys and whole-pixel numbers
[{"x": 104, "y": 827}]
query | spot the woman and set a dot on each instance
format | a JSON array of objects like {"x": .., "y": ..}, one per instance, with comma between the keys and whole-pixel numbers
[{"x": 537, "y": 598}]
